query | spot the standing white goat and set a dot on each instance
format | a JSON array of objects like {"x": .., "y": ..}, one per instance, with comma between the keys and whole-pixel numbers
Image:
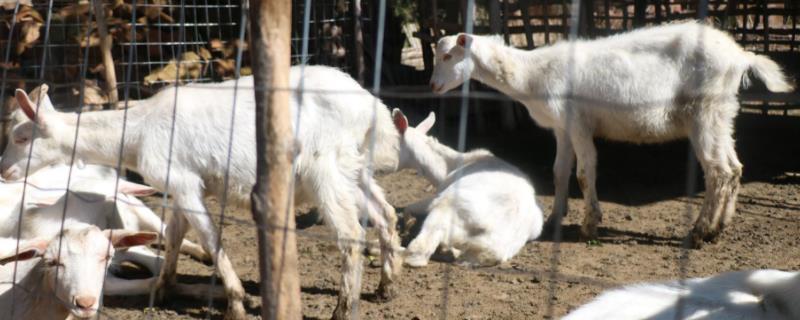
[
  {"x": 60, "y": 276},
  {"x": 645, "y": 86},
  {"x": 334, "y": 135},
  {"x": 758, "y": 294},
  {"x": 484, "y": 210}
]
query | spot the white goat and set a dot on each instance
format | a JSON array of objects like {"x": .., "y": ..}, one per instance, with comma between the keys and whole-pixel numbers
[
  {"x": 334, "y": 135},
  {"x": 61, "y": 276},
  {"x": 91, "y": 202},
  {"x": 758, "y": 294},
  {"x": 645, "y": 86},
  {"x": 484, "y": 210}
]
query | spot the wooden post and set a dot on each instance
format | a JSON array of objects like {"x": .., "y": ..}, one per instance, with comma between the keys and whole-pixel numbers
[
  {"x": 358, "y": 41},
  {"x": 272, "y": 203},
  {"x": 106, "y": 42}
]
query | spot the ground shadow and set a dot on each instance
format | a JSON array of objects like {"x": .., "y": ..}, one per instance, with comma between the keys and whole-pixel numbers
[
  {"x": 195, "y": 308},
  {"x": 571, "y": 233}
]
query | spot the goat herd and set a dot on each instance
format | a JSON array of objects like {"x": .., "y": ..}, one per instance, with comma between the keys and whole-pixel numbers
[{"x": 646, "y": 86}]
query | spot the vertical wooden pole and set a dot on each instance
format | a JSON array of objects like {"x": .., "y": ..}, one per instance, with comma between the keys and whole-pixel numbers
[
  {"x": 106, "y": 43},
  {"x": 270, "y": 27},
  {"x": 358, "y": 41}
]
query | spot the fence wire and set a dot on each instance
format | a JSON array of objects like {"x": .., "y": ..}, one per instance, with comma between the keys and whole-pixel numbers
[{"x": 133, "y": 68}]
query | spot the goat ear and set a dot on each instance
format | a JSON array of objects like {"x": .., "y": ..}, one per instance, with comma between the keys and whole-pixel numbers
[
  {"x": 121, "y": 238},
  {"x": 135, "y": 189},
  {"x": 400, "y": 121},
  {"x": 26, "y": 105},
  {"x": 463, "y": 40},
  {"x": 27, "y": 250},
  {"x": 427, "y": 124}
]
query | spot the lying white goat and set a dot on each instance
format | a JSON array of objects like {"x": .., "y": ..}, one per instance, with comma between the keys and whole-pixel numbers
[
  {"x": 335, "y": 133},
  {"x": 743, "y": 295},
  {"x": 645, "y": 86},
  {"x": 61, "y": 276},
  {"x": 485, "y": 209},
  {"x": 91, "y": 201}
]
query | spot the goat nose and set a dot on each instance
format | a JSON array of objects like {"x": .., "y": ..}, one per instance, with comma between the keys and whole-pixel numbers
[
  {"x": 433, "y": 86},
  {"x": 85, "y": 302}
]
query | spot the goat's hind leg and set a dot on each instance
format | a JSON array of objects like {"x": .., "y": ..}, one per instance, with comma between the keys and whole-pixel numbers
[
  {"x": 729, "y": 205},
  {"x": 336, "y": 198},
  {"x": 384, "y": 218},
  {"x": 717, "y": 173}
]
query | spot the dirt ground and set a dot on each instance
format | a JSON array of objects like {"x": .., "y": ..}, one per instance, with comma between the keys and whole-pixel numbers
[{"x": 643, "y": 192}]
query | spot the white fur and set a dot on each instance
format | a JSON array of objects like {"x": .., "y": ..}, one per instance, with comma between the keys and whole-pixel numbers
[
  {"x": 91, "y": 201},
  {"x": 645, "y": 86},
  {"x": 484, "y": 209},
  {"x": 759, "y": 294},
  {"x": 60, "y": 276},
  {"x": 334, "y": 132}
]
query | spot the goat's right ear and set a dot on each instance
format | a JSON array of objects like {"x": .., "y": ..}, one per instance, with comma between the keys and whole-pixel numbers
[
  {"x": 400, "y": 121},
  {"x": 28, "y": 250},
  {"x": 135, "y": 189},
  {"x": 121, "y": 238}
]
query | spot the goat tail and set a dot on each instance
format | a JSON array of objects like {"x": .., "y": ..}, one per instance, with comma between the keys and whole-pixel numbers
[
  {"x": 770, "y": 73},
  {"x": 387, "y": 141}
]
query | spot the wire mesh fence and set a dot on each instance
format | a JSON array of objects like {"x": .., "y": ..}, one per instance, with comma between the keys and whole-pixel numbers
[{"x": 158, "y": 43}]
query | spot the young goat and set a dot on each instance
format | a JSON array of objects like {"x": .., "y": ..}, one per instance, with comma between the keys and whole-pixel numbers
[
  {"x": 484, "y": 210},
  {"x": 646, "y": 86},
  {"x": 61, "y": 276},
  {"x": 759, "y": 294},
  {"x": 334, "y": 135}
]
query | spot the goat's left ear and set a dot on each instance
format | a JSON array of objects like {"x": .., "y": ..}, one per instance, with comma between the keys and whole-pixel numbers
[
  {"x": 135, "y": 189},
  {"x": 121, "y": 238},
  {"x": 400, "y": 121},
  {"x": 427, "y": 124},
  {"x": 27, "y": 250}
]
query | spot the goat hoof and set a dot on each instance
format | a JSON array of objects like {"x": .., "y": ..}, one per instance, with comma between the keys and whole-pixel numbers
[
  {"x": 588, "y": 233},
  {"x": 385, "y": 293},
  {"x": 340, "y": 314},
  {"x": 711, "y": 237},
  {"x": 235, "y": 311},
  {"x": 694, "y": 241}
]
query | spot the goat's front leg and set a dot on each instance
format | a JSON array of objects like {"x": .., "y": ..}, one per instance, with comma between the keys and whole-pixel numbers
[
  {"x": 191, "y": 206},
  {"x": 562, "y": 169},
  {"x": 177, "y": 226},
  {"x": 434, "y": 230},
  {"x": 586, "y": 153}
]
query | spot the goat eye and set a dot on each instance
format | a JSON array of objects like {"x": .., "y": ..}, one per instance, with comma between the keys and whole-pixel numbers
[
  {"x": 446, "y": 57},
  {"x": 21, "y": 140}
]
